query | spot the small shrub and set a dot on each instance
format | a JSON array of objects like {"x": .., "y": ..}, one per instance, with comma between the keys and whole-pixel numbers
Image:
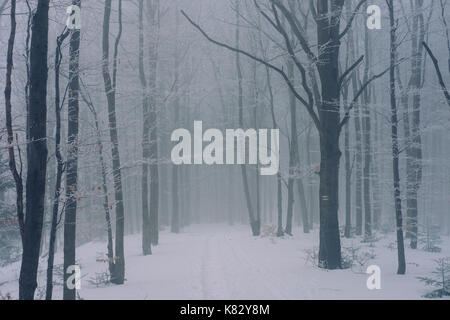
[
  {"x": 355, "y": 257},
  {"x": 440, "y": 279},
  {"x": 100, "y": 279}
]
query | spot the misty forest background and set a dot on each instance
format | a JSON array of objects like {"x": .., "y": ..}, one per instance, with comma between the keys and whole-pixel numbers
[{"x": 85, "y": 132}]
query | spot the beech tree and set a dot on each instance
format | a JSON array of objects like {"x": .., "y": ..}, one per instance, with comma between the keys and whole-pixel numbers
[
  {"x": 328, "y": 119},
  {"x": 118, "y": 276},
  {"x": 36, "y": 152}
]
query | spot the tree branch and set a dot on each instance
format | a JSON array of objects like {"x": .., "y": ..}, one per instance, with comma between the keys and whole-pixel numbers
[
  {"x": 358, "y": 94},
  {"x": 349, "y": 70},
  {"x": 271, "y": 66},
  {"x": 438, "y": 72},
  {"x": 350, "y": 22}
]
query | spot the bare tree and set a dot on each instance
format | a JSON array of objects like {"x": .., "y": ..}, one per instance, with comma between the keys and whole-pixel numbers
[
  {"x": 118, "y": 277},
  {"x": 17, "y": 174},
  {"x": 36, "y": 152},
  {"x": 70, "y": 217},
  {"x": 395, "y": 145},
  {"x": 59, "y": 167}
]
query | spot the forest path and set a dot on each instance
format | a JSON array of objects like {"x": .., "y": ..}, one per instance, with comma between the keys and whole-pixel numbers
[
  {"x": 233, "y": 269},
  {"x": 221, "y": 262}
]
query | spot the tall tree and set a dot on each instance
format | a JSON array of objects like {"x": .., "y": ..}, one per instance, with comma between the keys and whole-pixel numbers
[
  {"x": 154, "y": 17},
  {"x": 367, "y": 139},
  {"x": 395, "y": 146},
  {"x": 328, "y": 119},
  {"x": 255, "y": 223},
  {"x": 59, "y": 167},
  {"x": 146, "y": 231},
  {"x": 118, "y": 277},
  {"x": 70, "y": 217},
  {"x": 175, "y": 217},
  {"x": 36, "y": 152},
  {"x": 17, "y": 174}
]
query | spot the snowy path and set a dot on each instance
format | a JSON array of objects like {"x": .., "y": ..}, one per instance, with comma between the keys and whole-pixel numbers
[{"x": 222, "y": 262}]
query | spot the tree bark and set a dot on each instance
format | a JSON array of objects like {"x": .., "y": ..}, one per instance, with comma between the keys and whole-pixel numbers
[
  {"x": 367, "y": 143},
  {"x": 395, "y": 148},
  {"x": 146, "y": 232},
  {"x": 255, "y": 224},
  {"x": 8, "y": 112},
  {"x": 110, "y": 89},
  {"x": 329, "y": 113},
  {"x": 59, "y": 168},
  {"x": 36, "y": 152},
  {"x": 153, "y": 123},
  {"x": 70, "y": 218}
]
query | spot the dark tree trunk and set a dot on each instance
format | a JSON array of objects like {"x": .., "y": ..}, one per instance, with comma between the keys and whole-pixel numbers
[
  {"x": 395, "y": 147},
  {"x": 59, "y": 169},
  {"x": 36, "y": 152},
  {"x": 9, "y": 127},
  {"x": 70, "y": 218},
  {"x": 329, "y": 113},
  {"x": 110, "y": 89}
]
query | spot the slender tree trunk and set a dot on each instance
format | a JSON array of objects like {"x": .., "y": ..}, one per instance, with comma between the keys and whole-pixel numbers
[
  {"x": 293, "y": 145},
  {"x": 8, "y": 111},
  {"x": 110, "y": 250},
  {"x": 153, "y": 123},
  {"x": 36, "y": 152},
  {"x": 415, "y": 149},
  {"x": 395, "y": 147},
  {"x": 348, "y": 173},
  {"x": 110, "y": 89},
  {"x": 70, "y": 218},
  {"x": 367, "y": 143},
  {"x": 175, "y": 221},
  {"x": 146, "y": 232},
  {"x": 359, "y": 148},
  {"x": 255, "y": 224},
  {"x": 59, "y": 169}
]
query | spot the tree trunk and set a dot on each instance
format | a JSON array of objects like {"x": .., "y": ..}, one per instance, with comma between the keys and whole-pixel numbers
[
  {"x": 8, "y": 111},
  {"x": 175, "y": 221},
  {"x": 70, "y": 218},
  {"x": 153, "y": 123},
  {"x": 255, "y": 224},
  {"x": 415, "y": 149},
  {"x": 293, "y": 145},
  {"x": 59, "y": 169},
  {"x": 358, "y": 141},
  {"x": 395, "y": 149},
  {"x": 329, "y": 113},
  {"x": 367, "y": 143},
  {"x": 36, "y": 152},
  {"x": 110, "y": 89},
  {"x": 146, "y": 232}
]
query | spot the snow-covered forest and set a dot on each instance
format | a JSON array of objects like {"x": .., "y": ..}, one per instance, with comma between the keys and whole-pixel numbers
[{"x": 232, "y": 149}]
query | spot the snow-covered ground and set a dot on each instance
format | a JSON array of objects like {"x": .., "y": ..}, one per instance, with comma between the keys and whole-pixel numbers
[{"x": 223, "y": 262}]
